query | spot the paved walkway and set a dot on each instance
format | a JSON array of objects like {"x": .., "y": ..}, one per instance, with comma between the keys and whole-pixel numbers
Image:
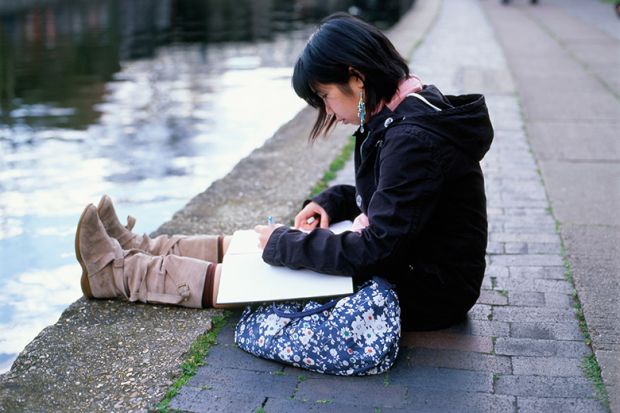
[
  {"x": 521, "y": 348},
  {"x": 565, "y": 59}
]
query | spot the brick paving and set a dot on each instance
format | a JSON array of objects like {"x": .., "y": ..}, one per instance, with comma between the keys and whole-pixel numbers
[{"x": 521, "y": 348}]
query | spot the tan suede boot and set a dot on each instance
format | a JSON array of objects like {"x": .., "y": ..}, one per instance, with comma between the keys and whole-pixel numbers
[
  {"x": 203, "y": 247},
  {"x": 108, "y": 271}
]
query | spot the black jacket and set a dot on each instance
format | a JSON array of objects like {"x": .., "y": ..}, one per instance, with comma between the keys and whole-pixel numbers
[{"x": 418, "y": 179}]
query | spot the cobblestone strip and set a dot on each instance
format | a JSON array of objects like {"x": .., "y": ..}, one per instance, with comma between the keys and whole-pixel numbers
[{"x": 538, "y": 349}]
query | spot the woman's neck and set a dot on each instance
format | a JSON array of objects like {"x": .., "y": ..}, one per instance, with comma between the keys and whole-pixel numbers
[
  {"x": 406, "y": 86},
  {"x": 410, "y": 85}
]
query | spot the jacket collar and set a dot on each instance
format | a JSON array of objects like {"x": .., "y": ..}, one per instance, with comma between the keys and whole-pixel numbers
[{"x": 382, "y": 120}]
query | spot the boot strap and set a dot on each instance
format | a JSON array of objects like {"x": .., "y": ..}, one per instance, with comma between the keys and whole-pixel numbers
[
  {"x": 170, "y": 243},
  {"x": 182, "y": 293},
  {"x": 131, "y": 222},
  {"x": 118, "y": 271},
  {"x": 142, "y": 294},
  {"x": 126, "y": 238}
]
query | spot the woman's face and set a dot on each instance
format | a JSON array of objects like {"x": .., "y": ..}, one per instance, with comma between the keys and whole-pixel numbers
[{"x": 340, "y": 104}]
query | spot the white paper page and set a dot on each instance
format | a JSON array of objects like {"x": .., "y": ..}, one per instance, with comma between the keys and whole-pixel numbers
[
  {"x": 247, "y": 278},
  {"x": 244, "y": 242},
  {"x": 340, "y": 227}
]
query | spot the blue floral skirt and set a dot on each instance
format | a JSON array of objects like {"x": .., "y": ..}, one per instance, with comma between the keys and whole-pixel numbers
[{"x": 355, "y": 335}]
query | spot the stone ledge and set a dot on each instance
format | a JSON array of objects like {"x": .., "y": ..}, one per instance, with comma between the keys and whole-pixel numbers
[{"x": 102, "y": 355}]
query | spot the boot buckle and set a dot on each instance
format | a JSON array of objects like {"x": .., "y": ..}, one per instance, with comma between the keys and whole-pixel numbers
[{"x": 183, "y": 290}]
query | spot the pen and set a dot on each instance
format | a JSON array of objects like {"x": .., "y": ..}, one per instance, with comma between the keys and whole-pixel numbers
[{"x": 269, "y": 220}]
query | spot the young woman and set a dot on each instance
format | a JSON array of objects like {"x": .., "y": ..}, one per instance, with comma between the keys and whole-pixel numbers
[{"x": 418, "y": 204}]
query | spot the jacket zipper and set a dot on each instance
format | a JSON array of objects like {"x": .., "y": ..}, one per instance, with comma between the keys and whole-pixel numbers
[
  {"x": 362, "y": 146},
  {"x": 378, "y": 146}
]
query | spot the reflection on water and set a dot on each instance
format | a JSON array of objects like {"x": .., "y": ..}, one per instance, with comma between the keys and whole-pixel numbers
[{"x": 147, "y": 100}]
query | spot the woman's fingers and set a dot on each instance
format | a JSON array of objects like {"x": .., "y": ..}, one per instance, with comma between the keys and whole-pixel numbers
[
  {"x": 260, "y": 229},
  {"x": 360, "y": 222},
  {"x": 324, "y": 219},
  {"x": 310, "y": 217},
  {"x": 299, "y": 219},
  {"x": 304, "y": 226},
  {"x": 264, "y": 232},
  {"x": 302, "y": 217}
]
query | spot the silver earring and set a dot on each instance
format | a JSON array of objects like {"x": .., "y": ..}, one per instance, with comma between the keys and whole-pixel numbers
[{"x": 361, "y": 111}]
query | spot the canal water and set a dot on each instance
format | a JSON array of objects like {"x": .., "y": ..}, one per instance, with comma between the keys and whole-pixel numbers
[{"x": 149, "y": 101}]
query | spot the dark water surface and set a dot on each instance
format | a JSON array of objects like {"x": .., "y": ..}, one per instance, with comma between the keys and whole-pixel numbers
[{"x": 147, "y": 100}]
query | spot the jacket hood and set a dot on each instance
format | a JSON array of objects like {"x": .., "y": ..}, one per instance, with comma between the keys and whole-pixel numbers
[{"x": 463, "y": 120}]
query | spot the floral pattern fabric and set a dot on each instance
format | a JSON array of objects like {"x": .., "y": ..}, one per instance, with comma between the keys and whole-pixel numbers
[{"x": 358, "y": 335}]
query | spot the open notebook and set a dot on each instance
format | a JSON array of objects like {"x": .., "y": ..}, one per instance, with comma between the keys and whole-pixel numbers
[{"x": 247, "y": 278}]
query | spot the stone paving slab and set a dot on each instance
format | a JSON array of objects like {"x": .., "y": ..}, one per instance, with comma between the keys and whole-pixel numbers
[
  {"x": 573, "y": 133},
  {"x": 521, "y": 348}
]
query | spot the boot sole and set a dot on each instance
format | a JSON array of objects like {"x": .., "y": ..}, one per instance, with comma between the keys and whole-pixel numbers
[{"x": 84, "y": 280}]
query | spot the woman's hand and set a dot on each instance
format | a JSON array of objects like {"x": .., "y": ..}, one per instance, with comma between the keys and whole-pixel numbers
[
  {"x": 307, "y": 220},
  {"x": 360, "y": 222},
  {"x": 264, "y": 232}
]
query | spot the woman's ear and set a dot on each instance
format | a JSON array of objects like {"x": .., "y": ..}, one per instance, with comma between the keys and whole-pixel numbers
[{"x": 357, "y": 77}]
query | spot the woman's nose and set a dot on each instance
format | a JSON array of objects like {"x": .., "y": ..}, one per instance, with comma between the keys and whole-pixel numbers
[{"x": 328, "y": 110}]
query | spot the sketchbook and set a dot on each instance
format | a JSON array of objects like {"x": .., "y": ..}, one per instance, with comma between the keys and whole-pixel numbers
[{"x": 247, "y": 278}]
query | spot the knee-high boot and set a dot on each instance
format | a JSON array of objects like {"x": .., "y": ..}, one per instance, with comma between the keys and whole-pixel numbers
[
  {"x": 109, "y": 271},
  {"x": 204, "y": 247}
]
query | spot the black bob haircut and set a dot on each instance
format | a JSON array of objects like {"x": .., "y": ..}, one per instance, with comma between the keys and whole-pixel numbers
[{"x": 341, "y": 47}]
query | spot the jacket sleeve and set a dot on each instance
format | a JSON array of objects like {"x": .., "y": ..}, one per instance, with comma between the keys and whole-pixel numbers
[
  {"x": 409, "y": 182},
  {"x": 339, "y": 203}
]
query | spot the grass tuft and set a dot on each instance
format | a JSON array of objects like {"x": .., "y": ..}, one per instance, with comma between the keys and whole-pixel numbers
[
  {"x": 592, "y": 370},
  {"x": 197, "y": 352},
  {"x": 386, "y": 379},
  {"x": 334, "y": 167},
  {"x": 568, "y": 274},
  {"x": 590, "y": 365}
]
